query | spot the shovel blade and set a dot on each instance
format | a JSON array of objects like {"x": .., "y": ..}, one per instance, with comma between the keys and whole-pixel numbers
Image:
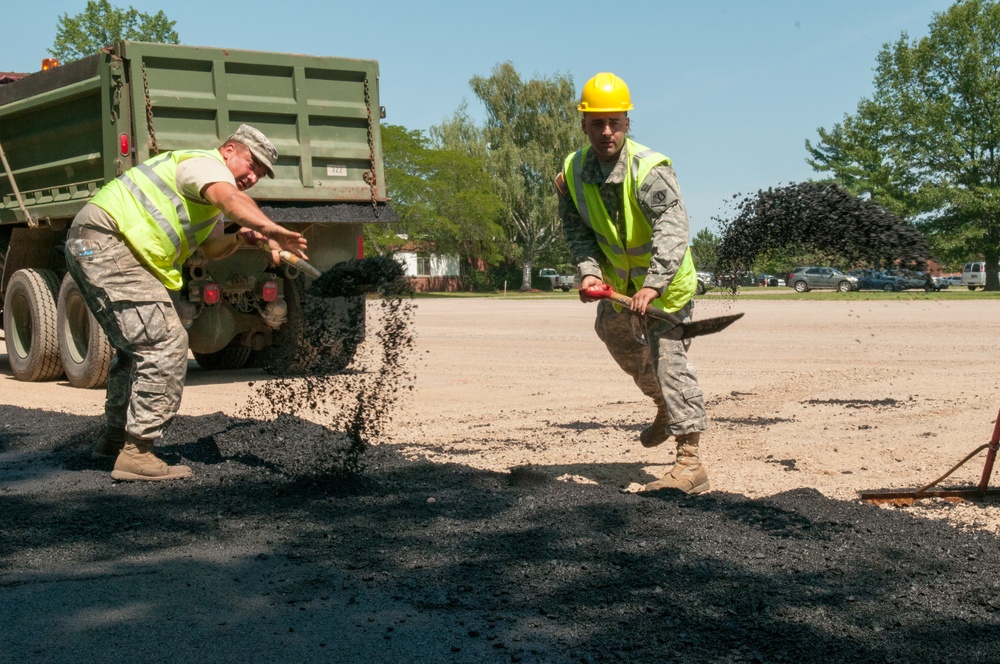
[{"x": 705, "y": 326}]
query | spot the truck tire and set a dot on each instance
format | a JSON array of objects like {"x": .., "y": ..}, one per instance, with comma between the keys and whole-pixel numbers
[
  {"x": 295, "y": 348},
  {"x": 84, "y": 348},
  {"x": 234, "y": 356},
  {"x": 29, "y": 323}
]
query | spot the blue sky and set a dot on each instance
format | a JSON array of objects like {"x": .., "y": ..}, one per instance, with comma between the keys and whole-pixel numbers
[{"x": 729, "y": 90}]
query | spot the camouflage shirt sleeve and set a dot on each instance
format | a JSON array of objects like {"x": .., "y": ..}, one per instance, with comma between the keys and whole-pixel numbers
[
  {"x": 581, "y": 239},
  {"x": 661, "y": 203}
]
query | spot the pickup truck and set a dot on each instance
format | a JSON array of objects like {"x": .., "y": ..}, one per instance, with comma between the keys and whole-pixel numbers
[
  {"x": 562, "y": 282},
  {"x": 67, "y": 131}
]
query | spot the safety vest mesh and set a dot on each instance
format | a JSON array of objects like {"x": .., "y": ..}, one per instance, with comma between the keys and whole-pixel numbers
[
  {"x": 162, "y": 226},
  {"x": 625, "y": 260}
]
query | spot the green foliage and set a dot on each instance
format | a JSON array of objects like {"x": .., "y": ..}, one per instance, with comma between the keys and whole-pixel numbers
[
  {"x": 100, "y": 24},
  {"x": 927, "y": 144},
  {"x": 703, "y": 248},
  {"x": 530, "y": 128},
  {"x": 443, "y": 198}
]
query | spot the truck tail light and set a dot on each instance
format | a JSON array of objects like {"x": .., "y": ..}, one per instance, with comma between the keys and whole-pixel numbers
[
  {"x": 361, "y": 247},
  {"x": 49, "y": 63},
  {"x": 211, "y": 294},
  {"x": 123, "y": 145},
  {"x": 269, "y": 291}
]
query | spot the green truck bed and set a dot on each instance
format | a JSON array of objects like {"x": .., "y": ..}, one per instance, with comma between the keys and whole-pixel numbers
[{"x": 67, "y": 131}]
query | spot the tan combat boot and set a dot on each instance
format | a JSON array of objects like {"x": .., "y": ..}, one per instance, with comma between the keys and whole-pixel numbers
[
  {"x": 687, "y": 475},
  {"x": 109, "y": 444},
  {"x": 656, "y": 432},
  {"x": 137, "y": 462}
]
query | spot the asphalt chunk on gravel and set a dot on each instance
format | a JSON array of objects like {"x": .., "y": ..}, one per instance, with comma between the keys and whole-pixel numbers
[{"x": 414, "y": 561}]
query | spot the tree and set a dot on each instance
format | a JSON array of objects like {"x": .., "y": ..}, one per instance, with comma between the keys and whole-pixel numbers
[
  {"x": 930, "y": 135},
  {"x": 530, "y": 128},
  {"x": 442, "y": 194},
  {"x": 703, "y": 247},
  {"x": 101, "y": 24}
]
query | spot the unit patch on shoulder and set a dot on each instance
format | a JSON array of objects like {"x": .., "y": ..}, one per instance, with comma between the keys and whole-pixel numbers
[
  {"x": 561, "y": 185},
  {"x": 660, "y": 197}
]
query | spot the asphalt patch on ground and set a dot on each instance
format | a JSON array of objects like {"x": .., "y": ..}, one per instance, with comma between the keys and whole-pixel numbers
[{"x": 414, "y": 561}]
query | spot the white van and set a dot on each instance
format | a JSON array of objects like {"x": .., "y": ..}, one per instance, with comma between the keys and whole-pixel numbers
[{"x": 974, "y": 275}]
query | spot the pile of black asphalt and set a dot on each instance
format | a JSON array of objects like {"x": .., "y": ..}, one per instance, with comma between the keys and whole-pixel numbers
[{"x": 257, "y": 559}]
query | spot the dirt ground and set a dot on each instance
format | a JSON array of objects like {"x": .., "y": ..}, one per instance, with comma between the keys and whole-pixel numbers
[
  {"x": 442, "y": 553},
  {"x": 837, "y": 397}
]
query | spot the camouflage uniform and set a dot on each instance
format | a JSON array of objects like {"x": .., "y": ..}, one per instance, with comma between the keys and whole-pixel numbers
[
  {"x": 646, "y": 349},
  {"x": 134, "y": 309}
]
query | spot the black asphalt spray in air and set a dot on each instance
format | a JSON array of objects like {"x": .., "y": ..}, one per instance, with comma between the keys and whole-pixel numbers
[
  {"x": 317, "y": 415},
  {"x": 821, "y": 219}
]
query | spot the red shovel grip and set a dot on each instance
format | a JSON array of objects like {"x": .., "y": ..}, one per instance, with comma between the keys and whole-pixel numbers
[{"x": 606, "y": 292}]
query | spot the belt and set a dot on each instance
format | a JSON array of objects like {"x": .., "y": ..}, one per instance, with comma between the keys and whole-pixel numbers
[{"x": 90, "y": 233}]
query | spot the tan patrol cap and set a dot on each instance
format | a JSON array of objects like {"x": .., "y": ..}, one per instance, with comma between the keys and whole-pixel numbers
[{"x": 260, "y": 147}]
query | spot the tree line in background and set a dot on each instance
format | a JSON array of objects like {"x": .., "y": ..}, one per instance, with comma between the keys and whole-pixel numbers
[
  {"x": 485, "y": 192},
  {"x": 925, "y": 146}
]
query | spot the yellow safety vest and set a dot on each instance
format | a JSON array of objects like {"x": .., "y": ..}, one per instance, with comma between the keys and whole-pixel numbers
[
  {"x": 625, "y": 260},
  {"x": 162, "y": 226}
]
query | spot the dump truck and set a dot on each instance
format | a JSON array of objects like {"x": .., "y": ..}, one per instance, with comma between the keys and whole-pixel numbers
[{"x": 68, "y": 130}]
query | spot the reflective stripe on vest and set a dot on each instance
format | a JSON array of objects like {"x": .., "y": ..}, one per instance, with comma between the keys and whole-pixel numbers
[
  {"x": 626, "y": 261},
  {"x": 160, "y": 225}
]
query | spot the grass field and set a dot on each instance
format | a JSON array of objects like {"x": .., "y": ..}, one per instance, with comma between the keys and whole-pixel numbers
[{"x": 757, "y": 293}]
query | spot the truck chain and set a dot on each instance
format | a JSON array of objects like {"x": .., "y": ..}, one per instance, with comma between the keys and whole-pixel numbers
[
  {"x": 369, "y": 176},
  {"x": 149, "y": 114}
]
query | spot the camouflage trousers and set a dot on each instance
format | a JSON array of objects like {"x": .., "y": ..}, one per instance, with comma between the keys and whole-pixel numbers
[
  {"x": 651, "y": 351},
  {"x": 134, "y": 309}
]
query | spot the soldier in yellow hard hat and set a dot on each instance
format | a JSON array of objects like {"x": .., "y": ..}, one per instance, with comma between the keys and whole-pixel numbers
[{"x": 628, "y": 230}]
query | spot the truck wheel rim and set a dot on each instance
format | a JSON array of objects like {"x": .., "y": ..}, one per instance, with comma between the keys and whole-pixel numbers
[
  {"x": 20, "y": 310},
  {"x": 77, "y": 331}
]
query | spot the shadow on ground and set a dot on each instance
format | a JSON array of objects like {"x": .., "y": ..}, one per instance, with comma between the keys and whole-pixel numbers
[{"x": 413, "y": 561}]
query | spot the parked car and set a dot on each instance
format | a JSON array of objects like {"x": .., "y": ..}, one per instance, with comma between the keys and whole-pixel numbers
[
  {"x": 738, "y": 279},
  {"x": 941, "y": 282},
  {"x": 974, "y": 275},
  {"x": 769, "y": 280},
  {"x": 804, "y": 279},
  {"x": 564, "y": 282},
  {"x": 706, "y": 281},
  {"x": 877, "y": 280},
  {"x": 911, "y": 279},
  {"x": 954, "y": 280}
]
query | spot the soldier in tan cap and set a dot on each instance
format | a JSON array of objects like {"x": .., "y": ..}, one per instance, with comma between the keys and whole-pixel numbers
[{"x": 125, "y": 250}]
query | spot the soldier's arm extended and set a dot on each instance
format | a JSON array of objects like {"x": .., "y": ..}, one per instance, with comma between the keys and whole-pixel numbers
[{"x": 242, "y": 209}]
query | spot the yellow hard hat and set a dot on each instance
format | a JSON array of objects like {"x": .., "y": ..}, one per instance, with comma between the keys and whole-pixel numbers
[{"x": 605, "y": 93}]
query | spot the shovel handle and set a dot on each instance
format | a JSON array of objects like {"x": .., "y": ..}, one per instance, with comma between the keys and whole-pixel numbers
[
  {"x": 606, "y": 293},
  {"x": 288, "y": 258}
]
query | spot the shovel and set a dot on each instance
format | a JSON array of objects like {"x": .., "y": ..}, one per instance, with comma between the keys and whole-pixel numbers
[
  {"x": 288, "y": 258},
  {"x": 693, "y": 329}
]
